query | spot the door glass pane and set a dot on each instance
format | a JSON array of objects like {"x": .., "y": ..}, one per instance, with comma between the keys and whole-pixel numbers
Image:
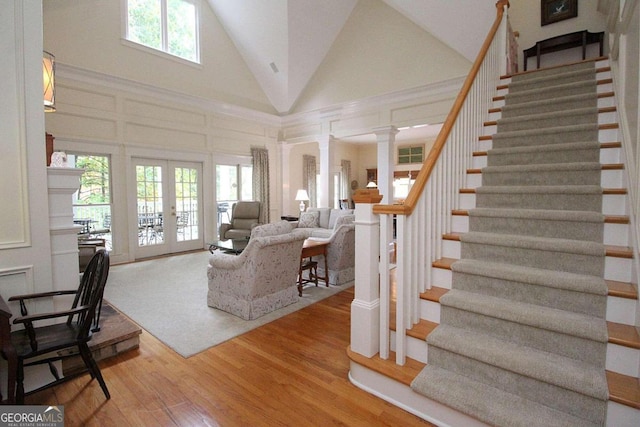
[
  {"x": 149, "y": 201},
  {"x": 186, "y": 204}
]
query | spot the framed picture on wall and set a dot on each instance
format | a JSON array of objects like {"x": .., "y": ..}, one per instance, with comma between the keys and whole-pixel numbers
[{"x": 557, "y": 10}]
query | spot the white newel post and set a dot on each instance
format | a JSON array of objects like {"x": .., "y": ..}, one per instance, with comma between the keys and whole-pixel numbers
[
  {"x": 62, "y": 183},
  {"x": 365, "y": 308}
]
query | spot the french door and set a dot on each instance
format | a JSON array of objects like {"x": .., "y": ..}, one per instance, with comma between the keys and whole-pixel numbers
[{"x": 169, "y": 207}]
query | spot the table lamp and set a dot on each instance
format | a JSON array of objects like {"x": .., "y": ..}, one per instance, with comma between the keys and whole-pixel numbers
[{"x": 302, "y": 196}]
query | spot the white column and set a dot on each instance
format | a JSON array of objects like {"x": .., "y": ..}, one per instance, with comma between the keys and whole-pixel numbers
[
  {"x": 62, "y": 183},
  {"x": 386, "y": 137},
  {"x": 325, "y": 186},
  {"x": 365, "y": 308}
]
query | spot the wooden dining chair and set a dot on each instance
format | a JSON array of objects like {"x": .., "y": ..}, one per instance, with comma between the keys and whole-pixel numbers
[{"x": 36, "y": 345}]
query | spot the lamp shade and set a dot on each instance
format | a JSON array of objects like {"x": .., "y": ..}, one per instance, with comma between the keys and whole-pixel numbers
[
  {"x": 48, "y": 81},
  {"x": 302, "y": 195},
  {"x": 372, "y": 184}
]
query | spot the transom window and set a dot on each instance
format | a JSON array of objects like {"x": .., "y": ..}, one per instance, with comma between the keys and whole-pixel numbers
[
  {"x": 170, "y": 26},
  {"x": 410, "y": 155}
]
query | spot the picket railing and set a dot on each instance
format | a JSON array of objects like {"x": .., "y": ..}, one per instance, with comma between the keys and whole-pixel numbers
[{"x": 425, "y": 215}]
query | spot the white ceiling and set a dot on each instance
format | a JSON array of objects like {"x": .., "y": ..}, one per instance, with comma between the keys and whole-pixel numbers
[{"x": 284, "y": 41}]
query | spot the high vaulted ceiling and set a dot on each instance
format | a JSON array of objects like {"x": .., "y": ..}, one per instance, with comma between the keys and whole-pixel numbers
[{"x": 283, "y": 42}]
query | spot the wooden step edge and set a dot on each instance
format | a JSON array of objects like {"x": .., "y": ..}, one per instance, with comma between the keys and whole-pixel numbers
[
  {"x": 612, "y": 166},
  {"x": 474, "y": 171},
  {"x": 420, "y": 330},
  {"x": 452, "y": 236},
  {"x": 605, "y": 69},
  {"x": 444, "y": 263},
  {"x": 624, "y": 335},
  {"x": 621, "y": 289},
  {"x": 460, "y": 212},
  {"x": 606, "y": 95},
  {"x": 607, "y": 110},
  {"x": 402, "y": 373},
  {"x": 495, "y": 110},
  {"x": 604, "y": 81},
  {"x": 614, "y": 191},
  {"x": 624, "y": 389},
  {"x": 433, "y": 294},
  {"x": 491, "y": 123},
  {"x": 619, "y": 251},
  {"x": 480, "y": 153},
  {"x": 615, "y": 144},
  {"x": 616, "y": 219}
]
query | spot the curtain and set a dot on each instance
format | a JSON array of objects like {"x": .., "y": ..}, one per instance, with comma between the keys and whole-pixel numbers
[
  {"x": 346, "y": 179},
  {"x": 309, "y": 178},
  {"x": 260, "y": 178}
]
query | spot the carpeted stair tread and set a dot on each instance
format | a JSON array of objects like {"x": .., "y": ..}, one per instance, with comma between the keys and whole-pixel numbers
[
  {"x": 537, "y": 243},
  {"x": 535, "y": 276},
  {"x": 551, "y": 215},
  {"x": 557, "y": 104},
  {"x": 495, "y": 406},
  {"x": 588, "y": 151},
  {"x": 540, "y": 189},
  {"x": 550, "y": 92},
  {"x": 546, "y": 136},
  {"x": 575, "y": 292},
  {"x": 552, "y": 76},
  {"x": 550, "y": 319},
  {"x": 552, "y": 71},
  {"x": 537, "y": 120},
  {"x": 553, "y": 369},
  {"x": 576, "y": 173}
]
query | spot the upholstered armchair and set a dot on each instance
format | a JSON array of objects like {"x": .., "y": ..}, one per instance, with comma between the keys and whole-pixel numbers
[
  {"x": 263, "y": 278},
  {"x": 244, "y": 217}
]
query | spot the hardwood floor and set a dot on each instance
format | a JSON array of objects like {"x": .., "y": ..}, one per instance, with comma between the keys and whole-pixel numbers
[{"x": 290, "y": 372}]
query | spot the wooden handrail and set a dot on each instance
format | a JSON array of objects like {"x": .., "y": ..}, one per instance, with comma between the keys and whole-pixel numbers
[{"x": 427, "y": 167}]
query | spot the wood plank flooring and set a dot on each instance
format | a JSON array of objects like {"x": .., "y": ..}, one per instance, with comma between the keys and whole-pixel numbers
[{"x": 290, "y": 372}]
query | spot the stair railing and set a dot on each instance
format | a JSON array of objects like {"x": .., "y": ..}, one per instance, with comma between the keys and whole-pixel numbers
[{"x": 425, "y": 215}]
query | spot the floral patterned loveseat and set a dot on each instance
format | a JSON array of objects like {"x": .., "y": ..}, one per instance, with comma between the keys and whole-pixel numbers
[
  {"x": 263, "y": 278},
  {"x": 338, "y": 228}
]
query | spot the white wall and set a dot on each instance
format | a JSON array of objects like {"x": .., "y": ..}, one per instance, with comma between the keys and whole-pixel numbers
[
  {"x": 88, "y": 34},
  {"x": 25, "y": 247},
  {"x": 379, "y": 51}
]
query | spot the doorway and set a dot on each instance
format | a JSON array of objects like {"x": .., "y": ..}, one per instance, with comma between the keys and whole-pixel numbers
[{"x": 168, "y": 207}]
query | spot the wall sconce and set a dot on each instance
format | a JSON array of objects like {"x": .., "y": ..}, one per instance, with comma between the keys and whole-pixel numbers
[
  {"x": 48, "y": 81},
  {"x": 302, "y": 196},
  {"x": 372, "y": 184}
]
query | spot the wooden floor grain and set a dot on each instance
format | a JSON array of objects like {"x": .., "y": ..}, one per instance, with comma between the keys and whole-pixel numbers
[{"x": 290, "y": 372}]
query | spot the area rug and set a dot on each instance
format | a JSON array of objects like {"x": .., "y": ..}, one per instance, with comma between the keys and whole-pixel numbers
[{"x": 168, "y": 298}]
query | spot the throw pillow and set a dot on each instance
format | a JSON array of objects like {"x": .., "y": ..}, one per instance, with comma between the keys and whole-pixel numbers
[{"x": 309, "y": 220}]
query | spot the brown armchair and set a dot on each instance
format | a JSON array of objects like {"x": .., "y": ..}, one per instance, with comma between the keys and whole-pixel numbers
[{"x": 244, "y": 217}]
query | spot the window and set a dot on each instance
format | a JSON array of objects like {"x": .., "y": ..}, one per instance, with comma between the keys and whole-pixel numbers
[
  {"x": 233, "y": 183},
  {"x": 167, "y": 25},
  {"x": 410, "y": 155},
  {"x": 92, "y": 201}
]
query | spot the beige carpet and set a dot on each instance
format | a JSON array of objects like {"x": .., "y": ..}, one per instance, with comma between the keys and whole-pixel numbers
[{"x": 168, "y": 298}]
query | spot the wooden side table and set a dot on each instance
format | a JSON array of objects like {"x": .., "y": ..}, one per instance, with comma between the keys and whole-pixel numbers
[{"x": 312, "y": 248}]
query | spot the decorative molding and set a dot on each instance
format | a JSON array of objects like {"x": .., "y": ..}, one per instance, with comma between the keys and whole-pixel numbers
[{"x": 93, "y": 78}]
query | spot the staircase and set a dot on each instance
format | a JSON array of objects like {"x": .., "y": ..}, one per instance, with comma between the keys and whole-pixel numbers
[{"x": 531, "y": 319}]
